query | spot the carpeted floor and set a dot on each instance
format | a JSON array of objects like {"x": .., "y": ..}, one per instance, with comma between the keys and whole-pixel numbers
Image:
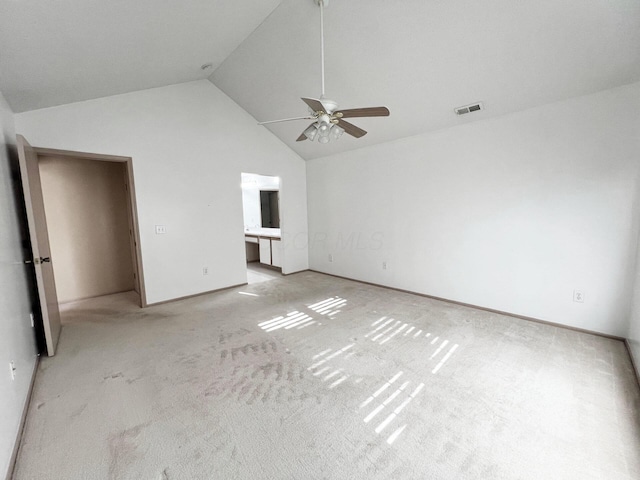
[
  {"x": 313, "y": 377},
  {"x": 256, "y": 273}
]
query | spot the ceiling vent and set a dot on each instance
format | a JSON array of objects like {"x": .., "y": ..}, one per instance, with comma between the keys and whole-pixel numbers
[{"x": 474, "y": 107}]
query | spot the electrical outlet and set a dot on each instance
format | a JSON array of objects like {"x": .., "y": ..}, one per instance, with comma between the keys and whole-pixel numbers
[
  {"x": 578, "y": 296},
  {"x": 161, "y": 229},
  {"x": 205, "y": 270},
  {"x": 12, "y": 369},
  {"x": 384, "y": 265},
  {"x": 330, "y": 258},
  {"x": 32, "y": 321}
]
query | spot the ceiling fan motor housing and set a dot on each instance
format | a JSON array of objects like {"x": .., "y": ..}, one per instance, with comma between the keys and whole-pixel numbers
[
  {"x": 324, "y": 119},
  {"x": 329, "y": 105}
]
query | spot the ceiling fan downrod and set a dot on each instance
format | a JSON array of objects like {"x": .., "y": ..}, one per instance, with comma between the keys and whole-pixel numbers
[{"x": 322, "y": 4}]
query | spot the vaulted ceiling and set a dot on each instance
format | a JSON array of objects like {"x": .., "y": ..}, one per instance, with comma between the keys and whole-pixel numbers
[
  {"x": 420, "y": 58},
  {"x": 64, "y": 51}
]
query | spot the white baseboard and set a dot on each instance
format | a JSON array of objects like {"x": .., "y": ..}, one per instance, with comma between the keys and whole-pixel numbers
[{"x": 23, "y": 418}]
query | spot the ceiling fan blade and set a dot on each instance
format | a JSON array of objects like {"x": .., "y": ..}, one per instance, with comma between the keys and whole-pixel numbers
[
  {"x": 351, "y": 129},
  {"x": 314, "y": 104},
  {"x": 286, "y": 120},
  {"x": 302, "y": 136},
  {"x": 364, "y": 112}
]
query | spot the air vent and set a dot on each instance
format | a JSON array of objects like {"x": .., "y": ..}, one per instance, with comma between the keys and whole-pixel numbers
[{"x": 474, "y": 107}]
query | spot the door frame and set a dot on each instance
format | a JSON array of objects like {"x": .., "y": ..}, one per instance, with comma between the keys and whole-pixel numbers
[
  {"x": 131, "y": 204},
  {"x": 279, "y": 189}
]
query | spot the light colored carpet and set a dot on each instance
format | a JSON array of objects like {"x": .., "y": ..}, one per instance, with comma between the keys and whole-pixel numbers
[
  {"x": 257, "y": 273},
  {"x": 313, "y": 377}
]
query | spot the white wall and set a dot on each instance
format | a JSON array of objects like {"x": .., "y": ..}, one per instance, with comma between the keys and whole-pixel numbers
[
  {"x": 633, "y": 334},
  {"x": 251, "y": 207},
  {"x": 17, "y": 341},
  {"x": 512, "y": 213},
  {"x": 189, "y": 144}
]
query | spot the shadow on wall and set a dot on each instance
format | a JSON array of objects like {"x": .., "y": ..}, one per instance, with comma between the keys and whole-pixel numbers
[{"x": 21, "y": 221}]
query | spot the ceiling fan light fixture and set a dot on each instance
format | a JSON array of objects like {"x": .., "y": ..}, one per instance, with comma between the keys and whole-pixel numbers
[
  {"x": 324, "y": 139},
  {"x": 311, "y": 132},
  {"x": 324, "y": 129},
  {"x": 336, "y": 132}
]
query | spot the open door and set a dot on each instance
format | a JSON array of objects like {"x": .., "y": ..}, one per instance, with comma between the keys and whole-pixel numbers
[{"x": 37, "y": 221}]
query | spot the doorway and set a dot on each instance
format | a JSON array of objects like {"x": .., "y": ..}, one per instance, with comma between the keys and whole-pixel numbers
[
  {"x": 262, "y": 222},
  {"x": 90, "y": 226},
  {"x": 69, "y": 198}
]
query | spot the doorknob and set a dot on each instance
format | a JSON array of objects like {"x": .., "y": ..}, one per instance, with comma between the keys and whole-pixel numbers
[{"x": 41, "y": 260}]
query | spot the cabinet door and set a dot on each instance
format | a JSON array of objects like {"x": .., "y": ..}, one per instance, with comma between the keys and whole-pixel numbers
[
  {"x": 265, "y": 251},
  {"x": 276, "y": 253}
]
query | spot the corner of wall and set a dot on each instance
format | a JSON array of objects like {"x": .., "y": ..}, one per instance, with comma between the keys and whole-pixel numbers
[
  {"x": 633, "y": 316},
  {"x": 17, "y": 340}
]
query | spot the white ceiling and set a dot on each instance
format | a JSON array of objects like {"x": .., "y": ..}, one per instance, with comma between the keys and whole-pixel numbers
[
  {"x": 63, "y": 51},
  {"x": 420, "y": 58}
]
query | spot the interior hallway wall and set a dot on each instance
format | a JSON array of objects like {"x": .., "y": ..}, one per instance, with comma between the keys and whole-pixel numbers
[
  {"x": 512, "y": 213},
  {"x": 633, "y": 334},
  {"x": 17, "y": 341},
  {"x": 86, "y": 207},
  {"x": 251, "y": 208},
  {"x": 189, "y": 144}
]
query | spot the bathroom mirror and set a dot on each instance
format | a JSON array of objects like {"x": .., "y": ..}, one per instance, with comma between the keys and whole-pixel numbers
[{"x": 270, "y": 209}]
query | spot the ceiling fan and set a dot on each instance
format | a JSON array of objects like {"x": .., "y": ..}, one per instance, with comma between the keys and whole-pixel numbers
[{"x": 328, "y": 121}]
